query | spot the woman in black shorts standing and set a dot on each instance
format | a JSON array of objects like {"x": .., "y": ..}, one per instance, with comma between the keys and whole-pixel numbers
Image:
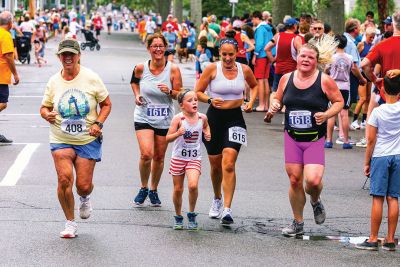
[{"x": 225, "y": 81}]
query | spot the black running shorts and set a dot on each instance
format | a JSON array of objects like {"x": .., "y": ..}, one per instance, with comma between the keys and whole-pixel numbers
[{"x": 220, "y": 120}]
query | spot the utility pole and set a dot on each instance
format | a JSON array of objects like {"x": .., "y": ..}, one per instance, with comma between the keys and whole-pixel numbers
[{"x": 233, "y": 3}]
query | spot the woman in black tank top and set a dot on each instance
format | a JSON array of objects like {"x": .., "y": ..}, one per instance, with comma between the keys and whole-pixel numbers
[{"x": 306, "y": 93}]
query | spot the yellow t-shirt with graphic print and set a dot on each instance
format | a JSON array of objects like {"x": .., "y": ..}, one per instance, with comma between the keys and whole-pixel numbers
[{"x": 76, "y": 103}]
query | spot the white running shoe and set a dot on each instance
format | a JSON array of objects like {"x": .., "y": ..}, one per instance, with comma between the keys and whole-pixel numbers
[
  {"x": 226, "y": 217},
  {"x": 363, "y": 125},
  {"x": 85, "y": 208},
  {"x": 216, "y": 209},
  {"x": 70, "y": 231},
  {"x": 354, "y": 125},
  {"x": 340, "y": 141},
  {"x": 362, "y": 143}
]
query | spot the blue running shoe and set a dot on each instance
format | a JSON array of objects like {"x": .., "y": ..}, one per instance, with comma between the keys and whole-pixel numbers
[
  {"x": 226, "y": 218},
  {"x": 328, "y": 144},
  {"x": 141, "y": 196},
  {"x": 178, "y": 225},
  {"x": 154, "y": 200},
  {"x": 347, "y": 146},
  {"x": 192, "y": 223}
]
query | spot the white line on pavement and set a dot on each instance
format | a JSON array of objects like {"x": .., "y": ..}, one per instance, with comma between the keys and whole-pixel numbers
[
  {"x": 21, "y": 114},
  {"x": 26, "y": 96},
  {"x": 15, "y": 172}
]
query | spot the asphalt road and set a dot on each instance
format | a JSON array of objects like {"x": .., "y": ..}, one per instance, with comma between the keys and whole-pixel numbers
[{"x": 120, "y": 234}]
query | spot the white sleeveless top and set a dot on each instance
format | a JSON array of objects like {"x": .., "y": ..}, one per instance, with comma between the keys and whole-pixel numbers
[
  {"x": 158, "y": 109},
  {"x": 187, "y": 146},
  {"x": 225, "y": 88}
]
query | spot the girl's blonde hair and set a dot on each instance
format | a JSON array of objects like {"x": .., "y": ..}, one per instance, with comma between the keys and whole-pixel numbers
[{"x": 182, "y": 94}]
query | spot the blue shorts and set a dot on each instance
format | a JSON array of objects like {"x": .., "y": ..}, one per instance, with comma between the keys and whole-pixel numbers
[
  {"x": 385, "y": 176},
  {"x": 88, "y": 151},
  {"x": 4, "y": 93}
]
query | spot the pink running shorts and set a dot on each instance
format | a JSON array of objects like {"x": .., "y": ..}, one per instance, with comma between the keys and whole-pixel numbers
[{"x": 304, "y": 152}]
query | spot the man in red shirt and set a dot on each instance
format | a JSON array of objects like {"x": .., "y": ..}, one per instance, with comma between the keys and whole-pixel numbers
[
  {"x": 169, "y": 20},
  {"x": 287, "y": 44},
  {"x": 385, "y": 53}
]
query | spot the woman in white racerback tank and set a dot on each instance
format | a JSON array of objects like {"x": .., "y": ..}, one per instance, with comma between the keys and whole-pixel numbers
[{"x": 154, "y": 83}]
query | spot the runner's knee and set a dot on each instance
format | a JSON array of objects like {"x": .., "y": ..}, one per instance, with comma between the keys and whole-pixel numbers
[
  {"x": 84, "y": 188},
  {"x": 295, "y": 182},
  {"x": 3, "y": 106},
  {"x": 192, "y": 187},
  {"x": 313, "y": 182},
  {"x": 147, "y": 156},
  {"x": 64, "y": 181},
  {"x": 178, "y": 189}
]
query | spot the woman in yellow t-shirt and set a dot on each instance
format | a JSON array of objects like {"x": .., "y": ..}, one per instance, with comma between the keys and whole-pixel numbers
[{"x": 70, "y": 106}]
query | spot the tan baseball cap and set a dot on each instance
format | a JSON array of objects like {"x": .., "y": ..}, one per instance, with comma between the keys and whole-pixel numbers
[{"x": 68, "y": 45}]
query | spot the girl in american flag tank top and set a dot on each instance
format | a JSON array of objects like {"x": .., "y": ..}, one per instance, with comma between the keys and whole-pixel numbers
[{"x": 186, "y": 132}]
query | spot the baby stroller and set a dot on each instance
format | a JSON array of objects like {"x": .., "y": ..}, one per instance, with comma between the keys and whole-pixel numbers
[
  {"x": 23, "y": 48},
  {"x": 91, "y": 42}
]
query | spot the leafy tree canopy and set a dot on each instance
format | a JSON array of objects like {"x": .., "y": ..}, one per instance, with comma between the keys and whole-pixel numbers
[{"x": 362, "y": 6}]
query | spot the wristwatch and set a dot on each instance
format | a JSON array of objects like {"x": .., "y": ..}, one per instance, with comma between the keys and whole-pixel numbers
[
  {"x": 100, "y": 124},
  {"x": 209, "y": 100}
]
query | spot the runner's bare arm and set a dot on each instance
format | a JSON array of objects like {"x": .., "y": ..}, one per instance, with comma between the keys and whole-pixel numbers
[
  {"x": 276, "y": 104},
  {"x": 248, "y": 42},
  {"x": 271, "y": 44},
  {"x": 174, "y": 130},
  {"x": 205, "y": 79},
  {"x": 206, "y": 128},
  {"x": 332, "y": 92},
  {"x": 252, "y": 82},
  {"x": 48, "y": 114},
  {"x": 176, "y": 81},
  {"x": 136, "y": 76},
  {"x": 9, "y": 57},
  {"x": 371, "y": 141}
]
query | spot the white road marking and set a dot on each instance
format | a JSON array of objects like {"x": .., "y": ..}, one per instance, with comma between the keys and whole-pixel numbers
[
  {"x": 26, "y": 96},
  {"x": 15, "y": 171},
  {"x": 20, "y": 114}
]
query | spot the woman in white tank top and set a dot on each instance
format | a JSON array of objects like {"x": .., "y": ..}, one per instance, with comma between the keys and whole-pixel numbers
[
  {"x": 154, "y": 83},
  {"x": 226, "y": 81}
]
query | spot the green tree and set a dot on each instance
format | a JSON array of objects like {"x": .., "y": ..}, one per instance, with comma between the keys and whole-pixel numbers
[{"x": 362, "y": 6}]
